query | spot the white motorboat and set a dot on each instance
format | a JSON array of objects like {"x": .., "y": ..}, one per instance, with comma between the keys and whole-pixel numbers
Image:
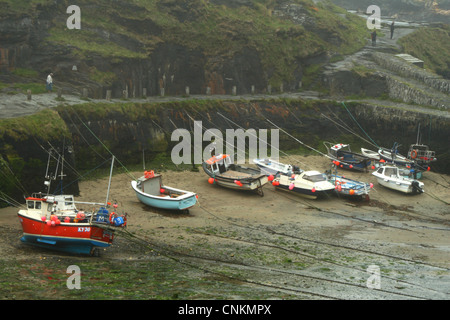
[
  {"x": 273, "y": 167},
  {"x": 389, "y": 176},
  {"x": 310, "y": 184}
]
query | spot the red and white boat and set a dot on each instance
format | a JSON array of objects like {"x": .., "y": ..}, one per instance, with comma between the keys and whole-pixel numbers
[{"x": 53, "y": 221}]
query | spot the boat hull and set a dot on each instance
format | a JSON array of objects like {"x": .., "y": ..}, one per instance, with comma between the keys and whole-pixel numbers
[
  {"x": 251, "y": 185},
  {"x": 389, "y": 177},
  {"x": 307, "y": 192},
  {"x": 370, "y": 154},
  {"x": 239, "y": 178},
  {"x": 349, "y": 187},
  {"x": 401, "y": 187},
  {"x": 267, "y": 171},
  {"x": 78, "y": 238},
  {"x": 305, "y": 185},
  {"x": 397, "y": 159},
  {"x": 167, "y": 203},
  {"x": 354, "y": 162},
  {"x": 272, "y": 167}
]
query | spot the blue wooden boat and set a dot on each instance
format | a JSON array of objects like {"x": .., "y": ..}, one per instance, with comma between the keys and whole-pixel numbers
[
  {"x": 343, "y": 157},
  {"x": 349, "y": 187},
  {"x": 150, "y": 191}
]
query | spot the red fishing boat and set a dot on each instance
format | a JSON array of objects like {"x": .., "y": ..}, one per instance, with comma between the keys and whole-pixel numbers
[{"x": 54, "y": 221}]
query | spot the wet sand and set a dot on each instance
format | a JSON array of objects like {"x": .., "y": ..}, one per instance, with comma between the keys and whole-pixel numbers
[{"x": 406, "y": 235}]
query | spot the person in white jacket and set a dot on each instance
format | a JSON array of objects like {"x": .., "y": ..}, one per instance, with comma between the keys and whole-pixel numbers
[{"x": 49, "y": 82}]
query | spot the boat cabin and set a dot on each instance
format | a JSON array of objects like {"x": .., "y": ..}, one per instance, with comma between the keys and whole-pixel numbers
[
  {"x": 420, "y": 152},
  {"x": 38, "y": 205},
  {"x": 219, "y": 163},
  {"x": 151, "y": 185},
  {"x": 391, "y": 172}
]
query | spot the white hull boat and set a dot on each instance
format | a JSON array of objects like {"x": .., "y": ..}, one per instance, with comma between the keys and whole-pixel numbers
[
  {"x": 370, "y": 154},
  {"x": 310, "y": 184},
  {"x": 273, "y": 167},
  {"x": 389, "y": 177}
]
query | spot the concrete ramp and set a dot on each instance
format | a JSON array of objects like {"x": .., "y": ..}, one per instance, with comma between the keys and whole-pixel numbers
[{"x": 409, "y": 58}]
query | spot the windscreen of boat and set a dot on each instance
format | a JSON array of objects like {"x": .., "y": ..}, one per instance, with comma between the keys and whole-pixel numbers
[
  {"x": 390, "y": 172},
  {"x": 316, "y": 177}
]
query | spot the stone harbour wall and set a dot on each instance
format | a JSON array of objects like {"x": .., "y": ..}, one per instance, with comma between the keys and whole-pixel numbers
[{"x": 398, "y": 89}]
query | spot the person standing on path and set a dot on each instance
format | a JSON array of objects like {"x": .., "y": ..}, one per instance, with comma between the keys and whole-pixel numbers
[
  {"x": 374, "y": 37},
  {"x": 392, "y": 29},
  {"x": 49, "y": 82}
]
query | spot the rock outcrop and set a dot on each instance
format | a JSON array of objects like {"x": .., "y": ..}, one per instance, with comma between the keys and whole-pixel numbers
[{"x": 216, "y": 47}]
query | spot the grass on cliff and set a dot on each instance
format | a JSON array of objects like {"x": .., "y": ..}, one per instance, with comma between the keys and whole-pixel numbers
[
  {"x": 219, "y": 32},
  {"x": 46, "y": 124},
  {"x": 432, "y": 45}
]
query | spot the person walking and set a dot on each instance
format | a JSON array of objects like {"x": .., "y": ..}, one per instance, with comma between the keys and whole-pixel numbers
[
  {"x": 392, "y": 29},
  {"x": 374, "y": 37},
  {"x": 49, "y": 86}
]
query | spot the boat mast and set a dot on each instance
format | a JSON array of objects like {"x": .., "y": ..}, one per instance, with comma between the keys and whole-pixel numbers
[
  {"x": 109, "y": 184},
  {"x": 51, "y": 177},
  {"x": 418, "y": 133}
]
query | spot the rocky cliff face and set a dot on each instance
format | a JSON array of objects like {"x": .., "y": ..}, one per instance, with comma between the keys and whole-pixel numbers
[{"x": 214, "y": 46}]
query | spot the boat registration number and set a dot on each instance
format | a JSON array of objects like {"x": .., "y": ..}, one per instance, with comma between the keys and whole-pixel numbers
[{"x": 84, "y": 229}]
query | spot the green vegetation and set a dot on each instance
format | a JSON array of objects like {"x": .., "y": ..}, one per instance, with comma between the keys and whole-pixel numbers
[
  {"x": 27, "y": 73},
  {"x": 20, "y": 6},
  {"x": 218, "y": 32},
  {"x": 87, "y": 41},
  {"x": 46, "y": 125},
  {"x": 432, "y": 45}
]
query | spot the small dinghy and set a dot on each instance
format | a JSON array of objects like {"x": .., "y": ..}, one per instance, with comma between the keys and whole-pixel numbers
[
  {"x": 151, "y": 191},
  {"x": 392, "y": 156},
  {"x": 389, "y": 176},
  {"x": 272, "y": 167},
  {"x": 310, "y": 184},
  {"x": 395, "y": 158},
  {"x": 370, "y": 154},
  {"x": 224, "y": 173}
]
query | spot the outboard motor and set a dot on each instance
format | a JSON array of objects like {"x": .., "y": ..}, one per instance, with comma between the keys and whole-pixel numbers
[{"x": 416, "y": 187}]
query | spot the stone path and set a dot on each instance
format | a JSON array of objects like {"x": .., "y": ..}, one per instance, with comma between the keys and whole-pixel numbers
[{"x": 417, "y": 88}]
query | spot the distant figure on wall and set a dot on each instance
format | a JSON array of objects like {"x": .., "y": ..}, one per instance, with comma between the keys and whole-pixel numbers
[
  {"x": 49, "y": 85},
  {"x": 392, "y": 29},
  {"x": 374, "y": 37}
]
